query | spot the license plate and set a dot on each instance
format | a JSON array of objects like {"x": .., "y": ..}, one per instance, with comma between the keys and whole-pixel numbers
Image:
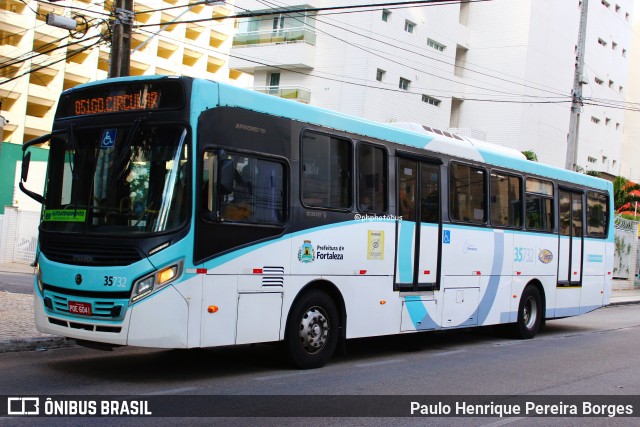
[{"x": 83, "y": 308}]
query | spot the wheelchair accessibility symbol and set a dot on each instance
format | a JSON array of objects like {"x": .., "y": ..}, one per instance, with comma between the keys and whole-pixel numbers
[
  {"x": 446, "y": 236},
  {"x": 108, "y": 138}
]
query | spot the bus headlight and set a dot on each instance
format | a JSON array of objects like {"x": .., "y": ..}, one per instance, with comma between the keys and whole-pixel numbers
[
  {"x": 39, "y": 280},
  {"x": 143, "y": 287},
  {"x": 157, "y": 280}
]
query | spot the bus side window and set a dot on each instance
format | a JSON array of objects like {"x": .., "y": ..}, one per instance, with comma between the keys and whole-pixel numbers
[
  {"x": 467, "y": 193},
  {"x": 506, "y": 203},
  {"x": 326, "y": 171},
  {"x": 255, "y": 195},
  {"x": 539, "y": 204},
  {"x": 372, "y": 178},
  {"x": 597, "y": 214},
  {"x": 208, "y": 181}
]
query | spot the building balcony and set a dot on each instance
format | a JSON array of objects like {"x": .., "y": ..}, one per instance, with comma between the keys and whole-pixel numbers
[
  {"x": 294, "y": 93},
  {"x": 291, "y": 48},
  {"x": 37, "y": 125},
  {"x": 287, "y": 35},
  {"x": 42, "y": 95}
]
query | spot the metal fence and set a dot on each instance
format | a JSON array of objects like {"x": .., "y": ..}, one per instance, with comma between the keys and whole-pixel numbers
[
  {"x": 26, "y": 241},
  {"x": 19, "y": 235},
  {"x": 626, "y": 249}
]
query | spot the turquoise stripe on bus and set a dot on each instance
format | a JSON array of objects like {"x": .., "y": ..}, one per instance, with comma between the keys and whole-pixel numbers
[
  {"x": 418, "y": 313},
  {"x": 405, "y": 254},
  {"x": 489, "y": 297}
]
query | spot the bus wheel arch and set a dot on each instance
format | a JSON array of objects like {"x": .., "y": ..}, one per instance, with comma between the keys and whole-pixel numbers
[
  {"x": 315, "y": 325},
  {"x": 531, "y": 311}
]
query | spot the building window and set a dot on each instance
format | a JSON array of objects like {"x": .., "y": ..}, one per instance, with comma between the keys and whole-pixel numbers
[
  {"x": 409, "y": 26},
  {"x": 601, "y": 42},
  {"x": 620, "y": 89},
  {"x": 386, "y": 15},
  {"x": 605, "y": 3},
  {"x": 592, "y": 159},
  {"x": 434, "y": 44},
  {"x": 614, "y": 45},
  {"x": 607, "y": 121},
  {"x": 624, "y": 53},
  {"x": 404, "y": 83},
  {"x": 617, "y": 8},
  {"x": 611, "y": 84},
  {"x": 430, "y": 100},
  {"x": 380, "y": 74},
  {"x": 595, "y": 120},
  {"x": 626, "y": 16},
  {"x": 599, "y": 81},
  {"x": 617, "y": 126}
]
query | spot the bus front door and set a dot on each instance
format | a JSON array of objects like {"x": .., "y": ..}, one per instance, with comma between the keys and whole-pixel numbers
[{"x": 418, "y": 224}]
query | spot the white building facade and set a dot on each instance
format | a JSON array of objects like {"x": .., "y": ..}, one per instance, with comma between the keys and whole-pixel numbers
[
  {"x": 631, "y": 147},
  {"x": 501, "y": 71}
]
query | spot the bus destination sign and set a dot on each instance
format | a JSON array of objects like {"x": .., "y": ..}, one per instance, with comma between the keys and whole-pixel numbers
[
  {"x": 117, "y": 103},
  {"x": 122, "y": 98}
]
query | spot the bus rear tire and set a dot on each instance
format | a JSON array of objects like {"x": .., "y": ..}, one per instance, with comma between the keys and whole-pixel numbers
[
  {"x": 311, "y": 333},
  {"x": 529, "y": 314}
]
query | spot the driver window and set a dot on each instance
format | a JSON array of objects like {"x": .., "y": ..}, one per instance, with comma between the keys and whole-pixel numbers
[{"x": 257, "y": 194}]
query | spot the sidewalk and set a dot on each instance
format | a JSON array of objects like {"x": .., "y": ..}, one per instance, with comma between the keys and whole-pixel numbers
[{"x": 18, "y": 331}]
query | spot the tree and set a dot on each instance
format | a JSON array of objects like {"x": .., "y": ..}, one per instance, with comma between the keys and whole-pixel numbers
[
  {"x": 622, "y": 189},
  {"x": 530, "y": 155}
]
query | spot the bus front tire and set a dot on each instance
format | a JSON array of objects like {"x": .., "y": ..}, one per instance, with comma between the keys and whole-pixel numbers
[
  {"x": 312, "y": 330},
  {"x": 530, "y": 314}
]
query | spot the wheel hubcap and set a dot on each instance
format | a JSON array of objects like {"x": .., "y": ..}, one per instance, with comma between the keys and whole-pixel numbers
[
  {"x": 314, "y": 330},
  {"x": 530, "y": 312}
]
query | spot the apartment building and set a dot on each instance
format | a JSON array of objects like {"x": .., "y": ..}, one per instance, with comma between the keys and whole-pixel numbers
[
  {"x": 630, "y": 163},
  {"x": 501, "y": 71},
  {"x": 39, "y": 61}
]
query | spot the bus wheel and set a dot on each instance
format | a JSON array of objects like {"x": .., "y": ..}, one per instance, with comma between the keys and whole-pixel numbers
[
  {"x": 311, "y": 333},
  {"x": 529, "y": 313}
]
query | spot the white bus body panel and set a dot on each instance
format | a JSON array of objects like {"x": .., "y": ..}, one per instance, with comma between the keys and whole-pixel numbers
[{"x": 160, "y": 320}]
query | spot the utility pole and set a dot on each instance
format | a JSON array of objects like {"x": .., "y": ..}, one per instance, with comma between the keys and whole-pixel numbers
[
  {"x": 121, "y": 39},
  {"x": 576, "y": 101}
]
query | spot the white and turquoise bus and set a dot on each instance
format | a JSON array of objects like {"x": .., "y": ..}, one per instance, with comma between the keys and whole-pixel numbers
[{"x": 184, "y": 213}]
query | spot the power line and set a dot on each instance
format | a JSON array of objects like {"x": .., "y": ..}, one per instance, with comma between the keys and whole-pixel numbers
[
  {"x": 67, "y": 56},
  {"x": 346, "y": 9}
]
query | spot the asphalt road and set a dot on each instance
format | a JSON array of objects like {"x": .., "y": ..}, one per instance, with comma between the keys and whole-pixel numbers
[
  {"x": 594, "y": 354},
  {"x": 16, "y": 282}
]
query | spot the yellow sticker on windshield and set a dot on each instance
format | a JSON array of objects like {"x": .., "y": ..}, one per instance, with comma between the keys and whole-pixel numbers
[{"x": 65, "y": 215}]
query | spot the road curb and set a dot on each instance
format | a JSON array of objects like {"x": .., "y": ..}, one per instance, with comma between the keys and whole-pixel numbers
[{"x": 623, "y": 303}]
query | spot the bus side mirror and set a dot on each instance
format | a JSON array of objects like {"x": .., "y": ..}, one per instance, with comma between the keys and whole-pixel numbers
[
  {"x": 26, "y": 159},
  {"x": 227, "y": 173}
]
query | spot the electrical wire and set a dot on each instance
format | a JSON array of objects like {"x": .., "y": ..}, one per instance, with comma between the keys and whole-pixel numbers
[
  {"x": 67, "y": 56},
  {"x": 345, "y": 9}
]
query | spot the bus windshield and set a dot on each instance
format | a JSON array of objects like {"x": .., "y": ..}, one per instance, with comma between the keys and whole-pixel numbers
[{"x": 117, "y": 179}]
